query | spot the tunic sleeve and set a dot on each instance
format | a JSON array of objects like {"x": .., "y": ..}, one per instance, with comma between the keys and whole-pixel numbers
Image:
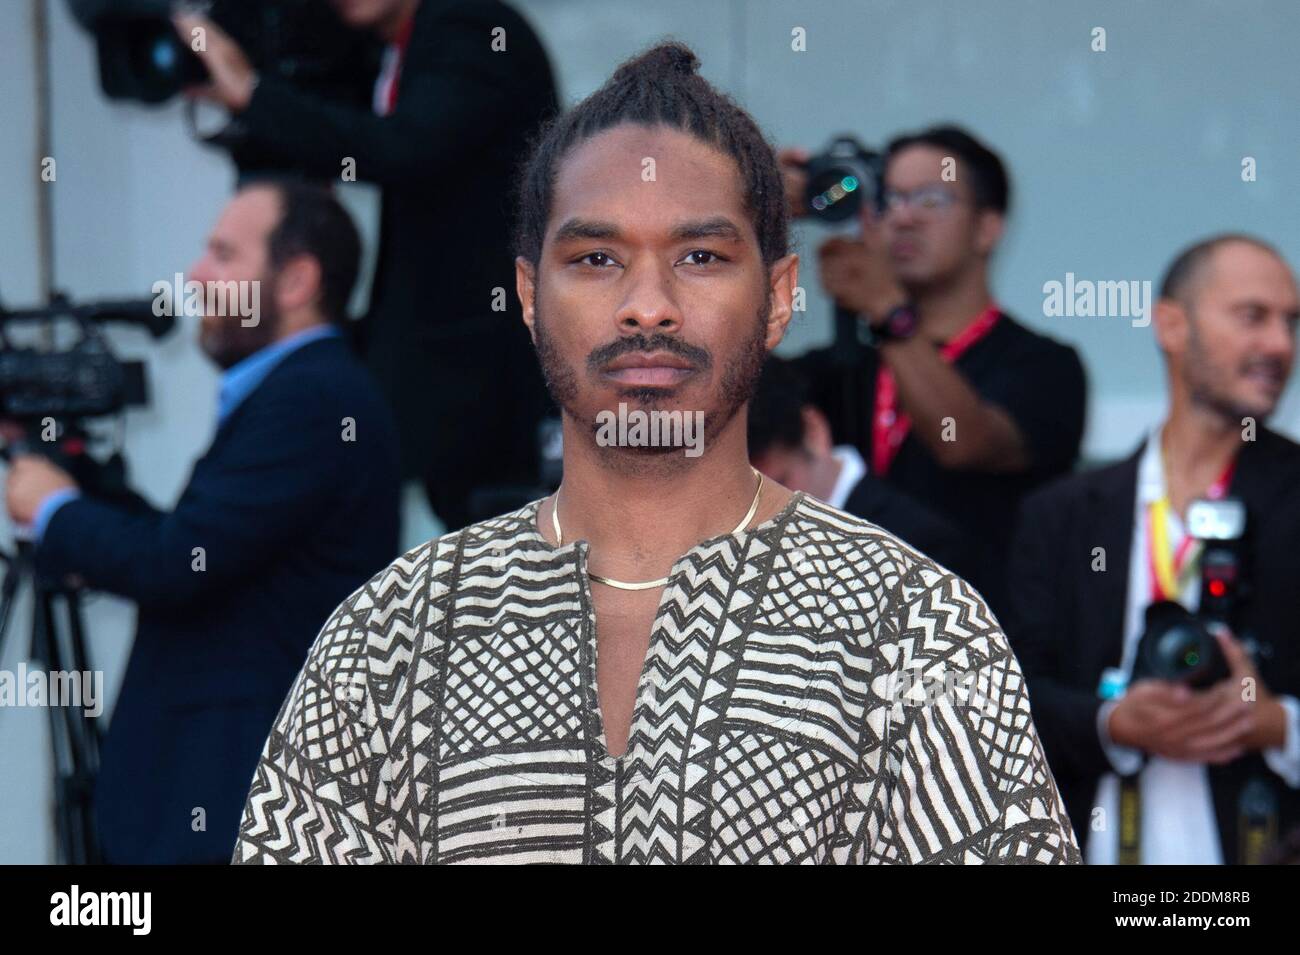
[
  {"x": 319, "y": 794},
  {"x": 967, "y": 778}
]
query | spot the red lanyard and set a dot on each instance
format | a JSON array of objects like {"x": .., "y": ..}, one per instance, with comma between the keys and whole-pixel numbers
[
  {"x": 1166, "y": 570},
  {"x": 394, "y": 75},
  {"x": 889, "y": 426}
]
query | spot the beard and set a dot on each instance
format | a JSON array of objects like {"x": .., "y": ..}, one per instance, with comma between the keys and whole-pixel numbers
[
  {"x": 739, "y": 379},
  {"x": 227, "y": 342},
  {"x": 1208, "y": 384}
]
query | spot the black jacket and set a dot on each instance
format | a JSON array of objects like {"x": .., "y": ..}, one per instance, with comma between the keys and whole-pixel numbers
[
  {"x": 1066, "y": 621},
  {"x": 462, "y": 378},
  {"x": 292, "y": 517},
  {"x": 884, "y": 505}
]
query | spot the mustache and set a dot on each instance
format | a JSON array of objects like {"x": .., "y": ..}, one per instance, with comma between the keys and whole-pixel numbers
[
  {"x": 698, "y": 357},
  {"x": 1275, "y": 366}
]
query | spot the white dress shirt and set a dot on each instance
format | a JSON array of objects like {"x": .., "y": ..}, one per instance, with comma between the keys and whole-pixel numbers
[
  {"x": 1178, "y": 823},
  {"x": 852, "y": 470}
]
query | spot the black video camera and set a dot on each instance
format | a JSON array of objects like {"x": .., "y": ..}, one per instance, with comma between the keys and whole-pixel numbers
[
  {"x": 1179, "y": 645},
  {"x": 142, "y": 58},
  {"x": 51, "y": 394},
  {"x": 83, "y": 380}
]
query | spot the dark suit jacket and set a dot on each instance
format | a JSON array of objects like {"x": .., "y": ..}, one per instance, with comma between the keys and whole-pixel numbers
[
  {"x": 462, "y": 378},
  {"x": 1067, "y": 621},
  {"x": 292, "y": 518}
]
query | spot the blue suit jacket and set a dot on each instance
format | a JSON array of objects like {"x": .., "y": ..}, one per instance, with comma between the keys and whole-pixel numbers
[{"x": 291, "y": 517}]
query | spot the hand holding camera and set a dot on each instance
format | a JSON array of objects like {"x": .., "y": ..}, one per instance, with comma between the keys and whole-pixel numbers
[
  {"x": 231, "y": 77},
  {"x": 857, "y": 273},
  {"x": 1217, "y": 724},
  {"x": 839, "y": 186}
]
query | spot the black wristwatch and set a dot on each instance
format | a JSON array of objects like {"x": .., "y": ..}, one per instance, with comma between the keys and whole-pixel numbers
[{"x": 899, "y": 325}]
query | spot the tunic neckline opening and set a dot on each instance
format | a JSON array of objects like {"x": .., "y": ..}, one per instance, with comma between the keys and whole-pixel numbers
[{"x": 529, "y": 517}]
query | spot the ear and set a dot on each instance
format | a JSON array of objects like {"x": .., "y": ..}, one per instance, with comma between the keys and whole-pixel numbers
[
  {"x": 298, "y": 283},
  {"x": 526, "y": 289},
  {"x": 816, "y": 431},
  {"x": 989, "y": 228},
  {"x": 784, "y": 278},
  {"x": 1171, "y": 323}
]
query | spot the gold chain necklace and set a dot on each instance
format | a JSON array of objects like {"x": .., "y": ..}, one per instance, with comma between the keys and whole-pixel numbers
[{"x": 648, "y": 584}]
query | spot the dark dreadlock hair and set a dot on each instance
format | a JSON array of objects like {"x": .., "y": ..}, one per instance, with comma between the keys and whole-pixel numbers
[{"x": 658, "y": 87}]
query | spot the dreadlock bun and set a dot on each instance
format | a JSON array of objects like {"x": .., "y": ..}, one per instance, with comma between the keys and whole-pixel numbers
[
  {"x": 669, "y": 57},
  {"x": 659, "y": 87}
]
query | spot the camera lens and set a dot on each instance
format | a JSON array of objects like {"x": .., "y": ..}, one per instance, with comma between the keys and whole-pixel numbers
[
  {"x": 835, "y": 195},
  {"x": 162, "y": 54}
]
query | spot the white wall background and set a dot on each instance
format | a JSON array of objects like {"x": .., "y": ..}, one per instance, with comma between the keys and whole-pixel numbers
[{"x": 1118, "y": 158}]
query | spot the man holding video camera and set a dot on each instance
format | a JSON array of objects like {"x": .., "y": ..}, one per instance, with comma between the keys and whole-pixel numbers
[
  {"x": 462, "y": 86},
  {"x": 294, "y": 505},
  {"x": 955, "y": 402},
  {"x": 1178, "y": 745}
]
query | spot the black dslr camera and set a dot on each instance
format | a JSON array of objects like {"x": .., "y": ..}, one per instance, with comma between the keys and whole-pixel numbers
[
  {"x": 1177, "y": 644},
  {"x": 841, "y": 179}
]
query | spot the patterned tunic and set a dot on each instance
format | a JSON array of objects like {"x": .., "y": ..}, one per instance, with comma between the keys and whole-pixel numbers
[{"x": 447, "y": 712}]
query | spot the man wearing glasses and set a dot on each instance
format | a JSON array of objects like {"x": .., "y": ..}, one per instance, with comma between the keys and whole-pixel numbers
[{"x": 955, "y": 402}]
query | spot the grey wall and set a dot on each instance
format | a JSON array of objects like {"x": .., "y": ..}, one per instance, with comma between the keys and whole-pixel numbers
[{"x": 1118, "y": 158}]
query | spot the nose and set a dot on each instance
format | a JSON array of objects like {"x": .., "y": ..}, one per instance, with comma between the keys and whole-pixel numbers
[
  {"x": 649, "y": 304},
  {"x": 901, "y": 216},
  {"x": 1280, "y": 339}
]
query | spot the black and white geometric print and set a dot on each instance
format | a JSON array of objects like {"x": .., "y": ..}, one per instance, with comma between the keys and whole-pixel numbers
[{"x": 786, "y": 712}]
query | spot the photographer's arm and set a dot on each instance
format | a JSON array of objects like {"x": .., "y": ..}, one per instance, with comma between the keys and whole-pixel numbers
[
  {"x": 1276, "y": 725},
  {"x": 1031, "y": 416},
  {"x": 1284, "y": 758},
  {"x": 239, "y": 511},
  {"x": 960, "y": 429},
  {"x": 453, "y": 101},
  {"x": 49, "y": 504},
  {"x": 982, "y": 436}
]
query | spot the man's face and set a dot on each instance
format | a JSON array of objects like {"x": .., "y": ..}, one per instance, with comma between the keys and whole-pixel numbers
[
  {"x": 938, "y": 234},
  {"x": 237, "y": 252},
  {"x": 365, "y": 14},
  {"x": 1239, "y": 343},
  {"x": 652, "y": 291}
]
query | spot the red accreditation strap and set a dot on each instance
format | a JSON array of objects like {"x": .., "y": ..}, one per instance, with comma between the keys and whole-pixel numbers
[
  {"x": 394, "y": 75},
  {"x": 889, "y": 426},
  {"x": 1168, "y": 564}
]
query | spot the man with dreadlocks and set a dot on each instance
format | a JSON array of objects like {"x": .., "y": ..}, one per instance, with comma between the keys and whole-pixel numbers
[{"x": 671, "y": 659}]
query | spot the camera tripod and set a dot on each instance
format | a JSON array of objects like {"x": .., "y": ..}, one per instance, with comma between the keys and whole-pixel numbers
[{"x": 74, "y": 735}]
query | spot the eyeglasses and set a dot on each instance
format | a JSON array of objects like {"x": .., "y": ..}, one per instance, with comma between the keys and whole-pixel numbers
[{"x": 927, "y": 200}]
